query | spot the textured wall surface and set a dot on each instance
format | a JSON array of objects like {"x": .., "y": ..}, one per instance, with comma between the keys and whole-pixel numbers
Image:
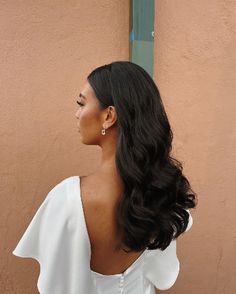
[
  {"x": 47, "y": 48},
  {"x": 195, "y": 45}
]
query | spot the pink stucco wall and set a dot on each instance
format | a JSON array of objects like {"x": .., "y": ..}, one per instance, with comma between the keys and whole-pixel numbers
[
  {"x": 47, "y": 50},
  {"x": 195, "y": 45}
]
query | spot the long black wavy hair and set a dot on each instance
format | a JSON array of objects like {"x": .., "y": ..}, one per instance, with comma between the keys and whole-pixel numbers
[{"x": 152, "y": 210}]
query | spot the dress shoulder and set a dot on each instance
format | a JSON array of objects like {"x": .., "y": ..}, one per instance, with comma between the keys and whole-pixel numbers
[
  {"x": 161, "y": 267},
  {"x": 42, "y": 223},
  {"x": 57, "y": 239}
]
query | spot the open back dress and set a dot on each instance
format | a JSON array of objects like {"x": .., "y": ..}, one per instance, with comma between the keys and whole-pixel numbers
[{"x": 58, "y": 239}]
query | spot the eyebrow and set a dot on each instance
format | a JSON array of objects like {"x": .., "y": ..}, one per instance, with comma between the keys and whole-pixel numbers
[{"x": 81, "y": 95}]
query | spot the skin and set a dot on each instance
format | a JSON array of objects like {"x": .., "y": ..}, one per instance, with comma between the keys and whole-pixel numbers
[
  {"x": 100, "y": 199},
  {"x": 91, "y": 121}
]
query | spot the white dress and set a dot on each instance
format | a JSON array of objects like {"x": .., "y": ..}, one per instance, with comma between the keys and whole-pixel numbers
[{"x": 58, "y": 239}]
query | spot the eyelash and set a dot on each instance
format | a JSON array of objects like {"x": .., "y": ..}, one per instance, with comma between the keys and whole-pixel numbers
[{"x": 80, "y": 103}]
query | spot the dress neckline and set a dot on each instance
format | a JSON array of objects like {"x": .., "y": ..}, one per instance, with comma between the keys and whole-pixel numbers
[
  {"x": 126, "y": 271},
  {"x": 86, "y": 229}
]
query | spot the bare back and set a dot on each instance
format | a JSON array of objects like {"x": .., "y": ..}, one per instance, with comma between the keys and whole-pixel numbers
[{"x": 100, "y": 196}]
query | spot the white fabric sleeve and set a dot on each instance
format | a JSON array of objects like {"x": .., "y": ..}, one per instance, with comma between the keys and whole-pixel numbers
[
  {"x": 39, "y": 229},
  {"x": 161, "y": 268},
  {"x": 57, "y": 239}
]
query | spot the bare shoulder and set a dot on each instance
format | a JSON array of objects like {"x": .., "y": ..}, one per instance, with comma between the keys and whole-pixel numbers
[
  {"x": 101, "y": 196},
  {"x": 99, "y": 204}
]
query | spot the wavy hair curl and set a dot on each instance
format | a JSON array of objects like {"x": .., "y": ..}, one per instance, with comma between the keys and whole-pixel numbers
[{"x": 152, "y": 210}]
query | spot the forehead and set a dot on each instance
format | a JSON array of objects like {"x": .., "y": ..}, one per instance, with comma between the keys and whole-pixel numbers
[{"x": 87, "y": 91}]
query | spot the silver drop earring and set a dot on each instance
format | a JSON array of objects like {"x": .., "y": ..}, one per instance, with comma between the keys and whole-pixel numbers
[{"x": 103, "y": 131}]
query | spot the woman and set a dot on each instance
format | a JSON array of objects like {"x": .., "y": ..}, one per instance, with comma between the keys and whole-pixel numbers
[{"x": 114, "y": 231}]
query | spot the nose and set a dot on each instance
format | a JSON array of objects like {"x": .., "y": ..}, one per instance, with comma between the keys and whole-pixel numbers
[{"x": 77, "y": 114}]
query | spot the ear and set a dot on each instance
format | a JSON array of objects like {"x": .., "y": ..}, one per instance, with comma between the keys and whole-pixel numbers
[{"x": 110, "y": 117}]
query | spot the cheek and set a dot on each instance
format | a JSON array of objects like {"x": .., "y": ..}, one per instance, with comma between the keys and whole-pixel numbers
[
  {"x": 87, "y": 118},
  {"x": 83, "y": 112}
]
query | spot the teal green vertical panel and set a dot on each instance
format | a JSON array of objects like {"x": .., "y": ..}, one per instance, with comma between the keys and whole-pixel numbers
[{"x": 141, "y": 36}]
